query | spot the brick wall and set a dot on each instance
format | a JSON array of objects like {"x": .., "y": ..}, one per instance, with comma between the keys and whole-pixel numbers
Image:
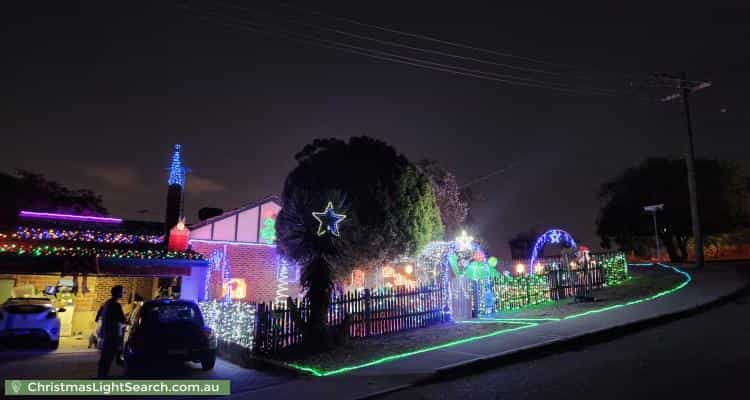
[
  {"x": 40, "y": 282},
  {"x": 98, "y": 286},
  {"x": 86, "y": 304},
  {"x": 255, "y": 264}
]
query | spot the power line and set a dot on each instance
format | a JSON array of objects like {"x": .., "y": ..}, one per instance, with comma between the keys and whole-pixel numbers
[
  {"x": 586, "y": 70},
  {"x": 423, "y": 37},
  {"x": 490, "y": 175},
  {"x": 393, "y": 43},
  {"x": 386, "y": 56}
]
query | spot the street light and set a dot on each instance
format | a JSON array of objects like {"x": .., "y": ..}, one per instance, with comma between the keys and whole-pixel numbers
[{"x": 653, "y": 209}]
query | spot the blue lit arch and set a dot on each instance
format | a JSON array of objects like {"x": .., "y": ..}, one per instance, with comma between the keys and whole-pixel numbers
[{"x": 552, "y": 236}]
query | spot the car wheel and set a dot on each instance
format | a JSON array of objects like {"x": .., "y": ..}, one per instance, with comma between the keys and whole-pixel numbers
[
  {"x": 54, "y": 344},
  {"x": 208, "y": 363}
]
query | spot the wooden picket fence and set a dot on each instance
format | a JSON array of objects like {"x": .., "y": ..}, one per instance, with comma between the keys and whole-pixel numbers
[
  {"x": 371, "y": 313},
  {"x": 565, "y": 281}
]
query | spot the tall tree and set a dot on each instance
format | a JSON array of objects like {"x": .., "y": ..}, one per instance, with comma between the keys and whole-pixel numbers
[
  {"x": 454, "y": 207},
  {"x": 723, "y": 199},
  {"x": 390, "y": 211},
  {"x": 32, "y": 191}
]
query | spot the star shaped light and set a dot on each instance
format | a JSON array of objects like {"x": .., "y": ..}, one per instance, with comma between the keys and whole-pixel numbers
[
  {"x": 328, "y": 220},
  {"x": 554, "y": 236},
  {"x": 464, "y": 241}
]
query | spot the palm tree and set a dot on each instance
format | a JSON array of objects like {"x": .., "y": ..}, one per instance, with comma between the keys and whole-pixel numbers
[{"x": 316, "y": 253}]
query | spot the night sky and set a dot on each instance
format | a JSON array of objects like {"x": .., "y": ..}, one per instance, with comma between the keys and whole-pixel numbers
[{"x": 95, "y": 94}]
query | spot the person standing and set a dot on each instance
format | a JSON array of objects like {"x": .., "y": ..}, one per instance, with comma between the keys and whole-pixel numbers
[{"x": 112, "y": 321}]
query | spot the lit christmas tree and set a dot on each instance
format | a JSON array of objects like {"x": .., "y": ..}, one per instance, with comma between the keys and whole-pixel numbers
[
  {"x": 268, "y": 231},
  {"x": 282, "y": 281}
]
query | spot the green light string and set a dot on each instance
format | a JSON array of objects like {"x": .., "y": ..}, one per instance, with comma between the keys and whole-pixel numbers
[
  {"x": 508, "y": 320},
  {"x": 317, "y": 372},
  {"x": 684, "y": 283},
  {"x": 78, "y": 251},
  {"x": 524, "y": 322}
]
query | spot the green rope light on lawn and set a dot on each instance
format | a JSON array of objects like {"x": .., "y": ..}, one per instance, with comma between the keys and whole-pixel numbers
[
  {"x": 509, "y": 320},
  {"x": 317, "y": 372},
  {"x": 684, "y": 283},
  {"x": 525, "y": 322}
]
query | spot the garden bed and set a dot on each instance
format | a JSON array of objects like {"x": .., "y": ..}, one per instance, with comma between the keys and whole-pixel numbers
[
  {"x": 643, "y": 282},
  {"x": 366, "y": 350}
]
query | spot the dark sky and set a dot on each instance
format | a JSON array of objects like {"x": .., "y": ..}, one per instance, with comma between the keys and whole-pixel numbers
[{"x": 95, "y": 94}]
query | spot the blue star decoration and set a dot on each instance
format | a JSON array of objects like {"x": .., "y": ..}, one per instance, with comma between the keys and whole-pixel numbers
[
  {"x": 328, "y": 220},
  {"x": 554, "y": 236}
]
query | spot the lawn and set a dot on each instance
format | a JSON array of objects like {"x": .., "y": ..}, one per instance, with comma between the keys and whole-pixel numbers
[{"x": 359, "y": 351}]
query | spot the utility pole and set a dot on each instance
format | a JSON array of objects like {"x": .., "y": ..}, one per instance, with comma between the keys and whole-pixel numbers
[{"x": 685, "y": 90}]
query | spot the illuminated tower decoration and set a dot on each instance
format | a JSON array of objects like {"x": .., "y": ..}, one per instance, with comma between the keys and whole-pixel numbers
[{"x": 176, "y": 182}]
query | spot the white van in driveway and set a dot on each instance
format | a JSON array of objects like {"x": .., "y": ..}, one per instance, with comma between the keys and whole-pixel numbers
[{"x": 30, "y": 317}]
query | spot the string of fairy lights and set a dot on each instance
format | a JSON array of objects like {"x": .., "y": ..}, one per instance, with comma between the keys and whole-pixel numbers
[
  {"x": 232, "y": 322},
  {"x": 511, "y": 293},
  {"x": 615, "y": 269},
  {"x": 86, "y": 235},
  {"x": 80, "y": 251}
]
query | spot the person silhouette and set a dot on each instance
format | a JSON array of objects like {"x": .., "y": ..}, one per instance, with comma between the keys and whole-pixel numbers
[{"x": 112, "y": 320}]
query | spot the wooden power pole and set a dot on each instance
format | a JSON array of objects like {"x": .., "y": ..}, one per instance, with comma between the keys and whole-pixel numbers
[{"x": 685, "y": 88}]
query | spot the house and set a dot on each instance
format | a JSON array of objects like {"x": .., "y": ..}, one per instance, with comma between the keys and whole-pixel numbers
[
  {"x": 243, "y": 262},
  {"x": 76, "y": 260}
]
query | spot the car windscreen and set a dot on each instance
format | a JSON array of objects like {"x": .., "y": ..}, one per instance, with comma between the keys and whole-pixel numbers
[
  {"x": 25, "y": 308},
  {"x": 172, "y": 314}
]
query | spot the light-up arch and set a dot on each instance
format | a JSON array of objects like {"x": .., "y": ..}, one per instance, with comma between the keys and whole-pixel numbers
[{"x": 552, "y": 236}]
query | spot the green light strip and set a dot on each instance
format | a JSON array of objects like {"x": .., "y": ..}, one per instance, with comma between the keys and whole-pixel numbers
[
  {"x": 317, "y": 372},
  {"x": 508, "y": 320},
  {"x": 525, "y": 322},
  {"x": 652, "y": 297}
]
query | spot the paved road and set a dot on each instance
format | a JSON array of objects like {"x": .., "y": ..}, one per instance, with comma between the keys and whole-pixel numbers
[
  {"x": 706, "y": 356},
  {"x": 28, "y": 364}
]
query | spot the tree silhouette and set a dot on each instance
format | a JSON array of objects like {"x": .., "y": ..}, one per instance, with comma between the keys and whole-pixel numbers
[
  {"x": 390, "y": 211},
  {"x": 722, "y": 197},
  {"x": 32, "y": 191},
  {"x": 453, "y": 205}
]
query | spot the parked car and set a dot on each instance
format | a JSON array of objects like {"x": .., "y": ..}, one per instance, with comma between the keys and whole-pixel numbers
[
  {"x": 168, "y": 329},
  {"x": 30, "y": 317}
]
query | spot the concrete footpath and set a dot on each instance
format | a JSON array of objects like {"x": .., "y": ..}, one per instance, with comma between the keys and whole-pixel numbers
[{"x": 708, "y": 286}]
